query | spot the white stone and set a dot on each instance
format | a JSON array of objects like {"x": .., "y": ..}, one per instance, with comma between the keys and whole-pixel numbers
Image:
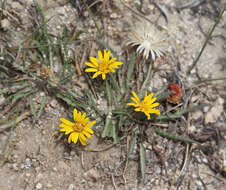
[
  {"x": 38, "y": 186},
  {"x": 191, "y": 129},
  {"x": 53, "y": 103},
  {"x": 5, "y": 24},
  {"x": 114, "y": 15},
  {"x": 206, "y": 109},
  {"x": 42, "y": 93},
  {"x": 71, "y": 187}
]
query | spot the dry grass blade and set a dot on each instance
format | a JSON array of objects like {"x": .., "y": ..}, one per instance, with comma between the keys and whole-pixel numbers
[{"x": 207, "y": 40}]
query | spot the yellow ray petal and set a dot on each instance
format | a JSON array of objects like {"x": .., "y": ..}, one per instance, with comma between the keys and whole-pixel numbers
[
  {"x": 135, "y": 100},
  {"x": 83, "y": 116},
  {"x": 132, "y": 104},
  {"x": 96, "y": 74},
  {"x": 82, "y": 142},
  {"x": 82, "y": 139},
  {"x": 112, "y": 60},
  {"x": 66, "y": 122},
  {"x": 88, "y": 70},
  {"x": 137, "y": 109},
  {"x": 79, "y": 117},
  {"x": 88, "y": 130},
  {"x": 153, "y": 100},
  {"x": 68, "y": 131},
  {"x": 86, "y": 134},
  {"x": 100, "y": 56},
  {"x": 117, "y": 63},
  {"x": 135, "y": 96},
  {"x": 154, "y": 105},
  {"x": 154, "y": 111},
  {"x": 69, "y": 138},
  {"x": 147, "y": 114},
  {"x": 91, "y": 65},
  {"x": 74, "y": 137},
  {"x": 85, "y": 121},
  {"x": 90, "y": 124},
  {"x": 107, "y": 55},
  {"x": 94, "y": 60},
  {"x": 64, "y": 125},
  {"x": 75, "y": 112},
  {"x": 103, "y": 76}
]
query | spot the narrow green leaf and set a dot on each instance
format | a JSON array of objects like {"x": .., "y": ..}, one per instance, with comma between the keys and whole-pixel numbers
[
  {"x": 68, "y": 77},
  {"x": 22, "y": 95},
  {"x": 121, "y": 112},
  {"x": 109, "y": 93},
  {"x": 41, "y": 108},
  {"x": 142, "y": 161},
  {"x": 144, "y": 85},
  {"x": 132, "y": 143},
  {"x": 67, "y": 100},
  {"x": 130, "y": 70},
  {"x": 107, "y": 131},
  {"x": 114, "y": 133},
  {"x": 178, "y": 114},
  {"x": 92, "y": 102},
  {"x": 174, "y": 137},
  {"x": 114, "y": 83},
  {"x": 32, "y": 108}
]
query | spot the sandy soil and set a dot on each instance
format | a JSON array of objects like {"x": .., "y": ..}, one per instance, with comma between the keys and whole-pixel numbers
[{"x": 41, "y": 159}]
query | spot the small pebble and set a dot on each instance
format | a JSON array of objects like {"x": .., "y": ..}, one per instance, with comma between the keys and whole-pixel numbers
[
  {"x": 72, "y": 153},
  {"x": 15, "y": 167},
  {"x": 42, "y": 93},
  {"x": 38, "y": 186},
  {"x": 199, "y": 183},
  {"x": 27, "y": 163},
  {"x": 53, "y": 103},
  {"x": 83, "y": 181},
  {"x": 205, "y": 160},
  {"x": 71, "y": 187},
  {"x": 49, "y": 185},
  {"x": 5, "y": 24},
  {"x": 206, "y": 109}
]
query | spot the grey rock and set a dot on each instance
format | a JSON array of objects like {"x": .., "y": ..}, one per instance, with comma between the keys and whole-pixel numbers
[{"x": 5, "y": 24}]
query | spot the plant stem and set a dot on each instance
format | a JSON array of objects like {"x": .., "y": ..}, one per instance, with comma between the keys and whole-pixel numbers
[{"x": 148, "y": 76}]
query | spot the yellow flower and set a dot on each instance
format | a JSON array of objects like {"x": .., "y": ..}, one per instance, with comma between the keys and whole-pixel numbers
[
  {"x": 146, "y": 105},
  {"x": 102, "y": 66},
  {"x": 80, "y": 129}
]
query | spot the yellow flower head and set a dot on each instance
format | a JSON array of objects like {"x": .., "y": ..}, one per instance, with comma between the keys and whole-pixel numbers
[
  {"x": 146, "y": 105},
  {"x": 80, "y": 129},
  {"x": 103, "y": 65}
]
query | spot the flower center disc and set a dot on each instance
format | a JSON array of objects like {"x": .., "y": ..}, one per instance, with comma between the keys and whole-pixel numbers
[
  {"x": 144, "y": 107},
  {"x": 103, "y": 67},
  {"x": 78, "y": 127}
]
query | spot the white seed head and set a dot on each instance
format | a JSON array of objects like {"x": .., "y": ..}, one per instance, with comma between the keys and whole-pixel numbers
[{"x": 149, "y": 39}]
